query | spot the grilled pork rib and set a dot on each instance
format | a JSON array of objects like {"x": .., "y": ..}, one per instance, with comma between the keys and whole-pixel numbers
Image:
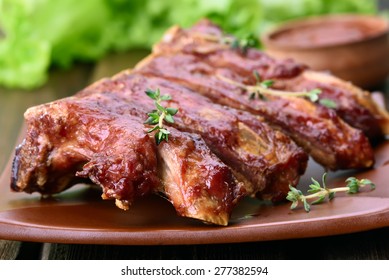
[
  {"x": 195, "y": 181},
  {"x": 83, "y": 137},
  {"x": 265, "y": 159},
  {"x": 317, "y": 129},
  {"x": 222, "y": 146},
  {"x": 353, "y": 105},
  {"x": 207, "y": 40},
  {"x": 73, "y": 135}
]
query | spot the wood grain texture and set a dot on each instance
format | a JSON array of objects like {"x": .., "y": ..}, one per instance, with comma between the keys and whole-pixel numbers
[
  {"x": 371, "y": 245},
  {"x": 9, "y": 249}
]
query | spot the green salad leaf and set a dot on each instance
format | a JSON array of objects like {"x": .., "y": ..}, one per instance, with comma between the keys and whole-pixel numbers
[{"x": 37, "y": 34}]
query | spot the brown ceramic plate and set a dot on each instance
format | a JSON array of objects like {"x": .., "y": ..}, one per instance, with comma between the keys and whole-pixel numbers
[{"x": 80, "y": 216}]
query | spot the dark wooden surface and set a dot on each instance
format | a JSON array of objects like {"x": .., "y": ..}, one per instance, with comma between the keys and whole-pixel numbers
[{"x": 373, "y": 244}]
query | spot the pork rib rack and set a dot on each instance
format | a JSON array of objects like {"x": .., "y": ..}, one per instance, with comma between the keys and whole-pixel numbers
[
  {"x": 222, "y": 146},
  {"x": 76, "y": 138},
  {"x": 205, "y": 41},
  {"x": 255, "y": 152},
  {"x": 197, "y": 59}
]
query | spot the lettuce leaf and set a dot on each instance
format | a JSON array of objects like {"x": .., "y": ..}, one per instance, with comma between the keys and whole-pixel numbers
[{"x": 37, "y": 34}]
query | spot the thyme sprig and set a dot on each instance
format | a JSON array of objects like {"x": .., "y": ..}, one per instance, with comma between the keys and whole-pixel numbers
[
  {"x": 260, "y": 83},
  {"x": 159, "y": 115},
  {"x": 321, "y": 192},
  {"x": 263, "y": 88},
  {"x": 240, "y": 44}
]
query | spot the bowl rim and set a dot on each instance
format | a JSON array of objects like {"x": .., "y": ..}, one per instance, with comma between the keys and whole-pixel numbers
[{"x": 268, "y": 42}]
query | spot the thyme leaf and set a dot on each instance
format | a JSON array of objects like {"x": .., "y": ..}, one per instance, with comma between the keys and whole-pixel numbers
[
  {"x": 159, "y": 115},
  {"x": 313, "y": 95},
  {"x": 243, "y": 44},
  {"x": 328, "y": 103},
  {"x": 320, "y": 192},
  {"x": 267, "y": 83},
  {"x": 240, "y": 44}
]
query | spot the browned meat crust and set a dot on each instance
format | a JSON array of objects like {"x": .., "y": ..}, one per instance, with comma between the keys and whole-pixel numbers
[
  {"x": 77, "y": 135},
  {"x": 354, "y": 105},
  {"x": 216, "y": 153},
  {"x": 187, "y": 58},
  {"x": 195, "y": 181},
  {"x": 317, "y": 129},
  {"x": 265, "y": 159},
  {"x": 86, "y": 137}
]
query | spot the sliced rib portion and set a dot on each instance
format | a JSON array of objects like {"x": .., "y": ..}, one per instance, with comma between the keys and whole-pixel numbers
[
  {"x": 195, "y": 181},
  {"x": 77, "y": 135},
  {"x": 266, "y": 160},
  {"x": 223, "y": 145},
  {"x": 205, "y": 39},
  {"x": 84, "y": 137},
  {"x": 317, "y": 129},
  {"x": 208, "y": 40},
  {"x": 353, "y": 105}
]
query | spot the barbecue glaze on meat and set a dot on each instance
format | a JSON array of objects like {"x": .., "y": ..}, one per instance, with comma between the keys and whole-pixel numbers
[
  {"x": 354, "y": 105},
  {"x": 317, "y": 129},
  {"x": 205, "y": 39},
  {"x": 191, "y": 58},
  {"x": 195, "y": 181},
  {"x": 85, "y": 137},
  {"x": 256, "y": 153},
  {"x": 72, "y": 135},
  {"x": 222, "y": 147}
]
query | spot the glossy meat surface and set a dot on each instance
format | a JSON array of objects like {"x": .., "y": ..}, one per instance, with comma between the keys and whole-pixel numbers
[
  {"x": 74, "y": 135},
  {"x": 353, "y": 104},
  {"x": 205, "y": 39},
  {"x": 212, "y": 69},
  {"x": 317, "y": 129},
  {"x": 85, "y": 137},
  {"x": 195, "y": 181},
  {"x": 265, "y": 159},
  {"x": 223, "y": 145}
]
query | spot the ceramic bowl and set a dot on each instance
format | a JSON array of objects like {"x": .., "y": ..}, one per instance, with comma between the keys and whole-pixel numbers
[{"x": 352, "y": 47}]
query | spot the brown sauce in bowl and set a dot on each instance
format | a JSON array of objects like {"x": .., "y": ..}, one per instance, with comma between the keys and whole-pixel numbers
[{"x": 327, "y": 33}]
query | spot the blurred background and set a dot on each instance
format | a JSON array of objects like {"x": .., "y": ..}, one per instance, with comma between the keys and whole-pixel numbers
[{"x": 38, "y": 35}]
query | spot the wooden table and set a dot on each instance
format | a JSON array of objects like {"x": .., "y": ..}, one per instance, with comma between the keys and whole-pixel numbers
[{"x": 373, "y": 244}]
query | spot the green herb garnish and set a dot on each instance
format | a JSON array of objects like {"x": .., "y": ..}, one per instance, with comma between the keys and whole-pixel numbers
[
  {"x": 243, "y": 44},
  {"x": 263, "y": 88},
  {"x": 321, "y": 192},
  {"x": 240, "y": 44},
  {"x": 157, "y": 116},
  {"x": 328, "y": 103}
]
